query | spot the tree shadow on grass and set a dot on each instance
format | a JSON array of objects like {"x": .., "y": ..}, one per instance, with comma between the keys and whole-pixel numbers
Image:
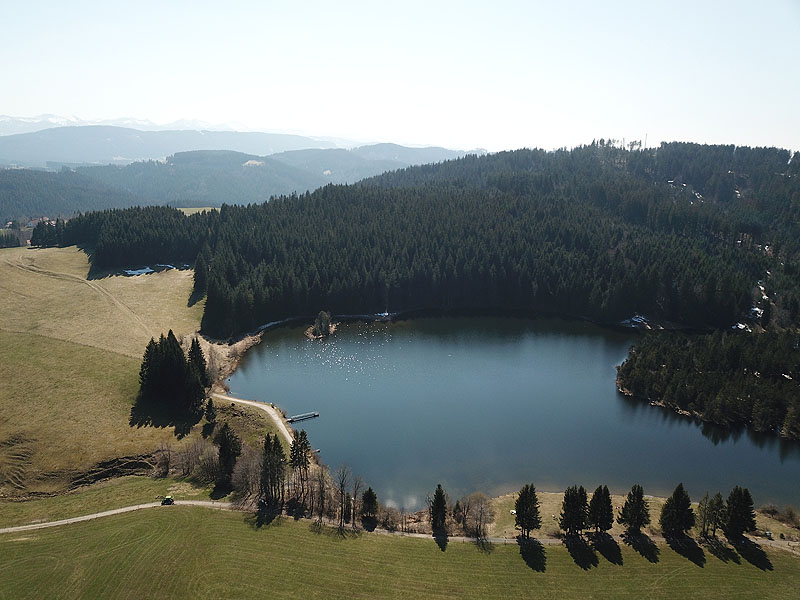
[
  {"x": 369, "y": 523},
  {"x": 753, "y": 553},
  {"x": 264, "y": 517},
  {"x": 687, "y": 547},
  {"x": 581, "y": 552},
  {"x": 716, "y": 547},
  {"x": 441, "y": 539},
  {"x": 195, "y": 298},
  {"x": 532, "y": 552},
  {"x": 220, "y": 491},
  {"x": 146, "y": 414},
  {"x": 296, "y": 509},
  {"x": 207, "y": 430},
  {"x": 642, "y": 544},
  {"x": 484, "y": 545},
  {"x": 608, "y": 547}
]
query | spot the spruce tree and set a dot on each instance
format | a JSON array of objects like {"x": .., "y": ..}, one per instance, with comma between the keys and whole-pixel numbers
[
  {"x": 739, "y": 514},
  {"x": 198, "y": 360},
  {"x": 230, "y": 447},
  {"x": 369, "y": 504},
  {"x": 574, "y": 511},
  {"x": 527, "y": 509},
  {"x": 211, "y": 411},
  {"x": 677, "y": 516},
  {"x": 635, "y": 512},
  {"x": 601, "y": 512},
  {"x": 438, "y": 510}
]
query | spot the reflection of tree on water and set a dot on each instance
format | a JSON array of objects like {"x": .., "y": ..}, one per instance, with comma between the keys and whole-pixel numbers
[{"x": 717, "y": 434}]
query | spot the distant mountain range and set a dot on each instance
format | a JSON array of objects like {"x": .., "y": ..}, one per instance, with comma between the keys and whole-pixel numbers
[
  {"x": 99, "y": 144},
  {"x": 211, "y": 178},
  {"x": 13, "y": 125}
]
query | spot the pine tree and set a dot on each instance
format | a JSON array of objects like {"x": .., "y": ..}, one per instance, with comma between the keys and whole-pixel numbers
[
  {"x": 369, "y": 504},
  {"x": 198, "y": 360},
  {"x": 677, "y": 516},
  {"x": 273, "y": 470},
  {"x": 527, "y": 509},
  {"x": 635, "y": 512},
  {"x": 438, "y": 510},
  {"x": 739, "y": 513},
  {"x": 230, "y": 447},
  {"x": 574, "y": 511},
  {"x": 211, "y": 411},
  {"x": 147, "y": 372},
  {"x": 601, "y": 512},
  {"x": 201, "y": 274}
]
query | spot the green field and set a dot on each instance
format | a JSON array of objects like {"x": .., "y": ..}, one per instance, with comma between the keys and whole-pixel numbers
[
  {"x": 187, "y": 552},
  {"x": 101, "y": 496}
]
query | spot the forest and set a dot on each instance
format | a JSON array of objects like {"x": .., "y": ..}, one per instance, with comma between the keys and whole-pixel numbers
[
  {"x": 729, "y": 378},
  {"x": 598, "y": 231},
  {"x": 29, "y": 193}
]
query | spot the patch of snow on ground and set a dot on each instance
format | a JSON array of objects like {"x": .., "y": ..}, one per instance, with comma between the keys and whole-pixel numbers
[{"x": 144, "y": 271}]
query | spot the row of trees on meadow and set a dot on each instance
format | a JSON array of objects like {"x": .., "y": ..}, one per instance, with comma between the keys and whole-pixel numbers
[{"x": 578, "y": 513}]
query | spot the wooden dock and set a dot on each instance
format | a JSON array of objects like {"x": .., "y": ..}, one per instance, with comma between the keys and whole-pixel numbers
[{"x": 302, "y": 417}]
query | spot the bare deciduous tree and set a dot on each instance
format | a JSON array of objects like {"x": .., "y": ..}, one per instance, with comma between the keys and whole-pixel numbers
[
  {"x": 342, "y": 479},
  {"x": 247, "y": 473},
  {"x": 357, "y": 484}
]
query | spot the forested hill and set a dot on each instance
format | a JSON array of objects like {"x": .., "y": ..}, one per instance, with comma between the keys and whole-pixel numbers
[
  {"x": 28, "y": 193},
  {"x": 214, "y": 177},
  {"x": 206, "y": 178},
  {"x": 597, "y": 231}
]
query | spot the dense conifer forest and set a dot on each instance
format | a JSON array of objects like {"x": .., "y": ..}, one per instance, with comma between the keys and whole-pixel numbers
[
  {"x": 598, "y": 231},
  {"x": 727, "y": 378},
  {"x": 29, "y": 193}
]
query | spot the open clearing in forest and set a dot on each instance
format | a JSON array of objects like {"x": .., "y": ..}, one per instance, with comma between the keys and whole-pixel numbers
[{"x": 190, "y": 552}]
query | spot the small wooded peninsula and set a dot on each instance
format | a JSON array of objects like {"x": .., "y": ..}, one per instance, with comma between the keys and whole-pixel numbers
[{"x": 690, "y": 235}]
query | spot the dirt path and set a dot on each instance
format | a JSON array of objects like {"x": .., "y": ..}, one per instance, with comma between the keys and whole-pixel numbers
[
  {"x": 116, "y": 511},
  {"x": 32, "y": 268},
  {"x": 273, "y": 413}
]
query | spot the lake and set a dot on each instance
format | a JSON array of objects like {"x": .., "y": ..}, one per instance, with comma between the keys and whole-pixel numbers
[{"x": 489, "y": 404}]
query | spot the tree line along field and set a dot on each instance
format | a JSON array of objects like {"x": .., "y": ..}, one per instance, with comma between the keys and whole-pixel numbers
[{"x": 183, "y": 552}]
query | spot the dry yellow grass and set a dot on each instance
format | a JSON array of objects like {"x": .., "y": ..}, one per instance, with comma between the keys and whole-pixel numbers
[
  {"x": 46, "y": 292},
  {"x": 65, "y": 407},
  {"x": 550, "y": 506},
  {"x": 195, "y": 209},
  {"x": 70, "y": 349}
]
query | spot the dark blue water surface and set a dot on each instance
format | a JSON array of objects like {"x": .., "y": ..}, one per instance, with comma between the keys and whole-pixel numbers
[{"x": 490, "y": 404}]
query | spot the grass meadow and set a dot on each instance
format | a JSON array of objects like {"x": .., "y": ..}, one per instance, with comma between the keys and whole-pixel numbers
[{"x": 190, "y": 552}]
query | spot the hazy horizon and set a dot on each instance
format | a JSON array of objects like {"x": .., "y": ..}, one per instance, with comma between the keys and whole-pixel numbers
[{"x": 458, "y": 75}]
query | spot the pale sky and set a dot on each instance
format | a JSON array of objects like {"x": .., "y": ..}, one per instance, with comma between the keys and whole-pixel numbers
[{"x": 497, "y": 74}]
